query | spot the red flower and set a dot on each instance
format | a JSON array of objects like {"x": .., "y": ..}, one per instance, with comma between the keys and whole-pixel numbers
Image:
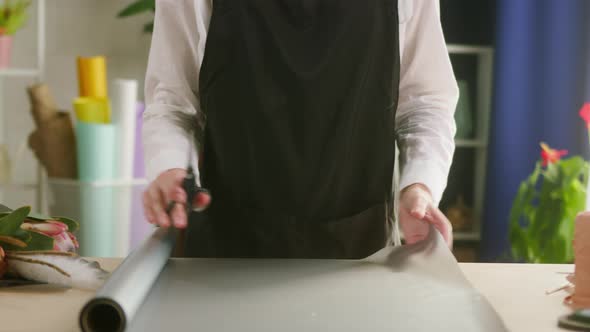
[
  {"x": 585, "y": 114},
  {"x": 550, "y": 155}
]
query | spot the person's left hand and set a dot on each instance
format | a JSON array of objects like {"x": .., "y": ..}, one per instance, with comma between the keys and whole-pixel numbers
[{"x": 417, "y": 211}]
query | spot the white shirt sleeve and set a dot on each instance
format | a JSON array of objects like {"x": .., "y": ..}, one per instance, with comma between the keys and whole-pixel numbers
[
  {"x": 171, "y": 84},
  {"x": 428, "y": 93}
]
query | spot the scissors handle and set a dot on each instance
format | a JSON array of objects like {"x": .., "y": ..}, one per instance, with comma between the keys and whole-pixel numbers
[{"x": 189, "y": 184}]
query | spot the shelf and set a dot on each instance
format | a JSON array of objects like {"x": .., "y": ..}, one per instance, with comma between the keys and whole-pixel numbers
[
  {"x": 100, "y": 183},
  {"x": 469, "y": 49},
  {"x": 466, "y": 236},
  {"x": 470, "y": 143},
  {"x": 18, "y": 186},
  {"x": 19, "y": 72}
]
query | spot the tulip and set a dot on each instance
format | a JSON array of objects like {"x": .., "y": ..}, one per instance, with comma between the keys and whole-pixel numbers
[
  {"x": 551, "y": 156},
  {"x": 63, "y": 240}
]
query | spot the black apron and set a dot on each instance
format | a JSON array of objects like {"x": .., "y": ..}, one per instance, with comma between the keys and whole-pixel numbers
[{"x": 300, "y": 99}]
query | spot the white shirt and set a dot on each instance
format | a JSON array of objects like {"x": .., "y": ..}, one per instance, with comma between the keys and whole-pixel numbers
[{"x": 428, "y": 92}]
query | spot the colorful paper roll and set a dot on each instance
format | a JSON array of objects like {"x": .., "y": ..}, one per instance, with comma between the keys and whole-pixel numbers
[
  {"x": 92, "y": 76},
  {"x": 123, "y": 106},
  {"x": 138, "y": 163},
  {"x": 92, "y": 110},
  {"x": 98, "y": 225},
  {"x": 96, "y": 151}
]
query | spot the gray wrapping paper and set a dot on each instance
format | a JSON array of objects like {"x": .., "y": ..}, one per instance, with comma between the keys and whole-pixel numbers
[
  {"x": 409, "y": 288},
  {"x": 117, "y": 302}
]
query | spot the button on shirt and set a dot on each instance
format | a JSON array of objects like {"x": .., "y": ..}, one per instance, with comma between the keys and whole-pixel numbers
[{"x": 424, "y": 122}]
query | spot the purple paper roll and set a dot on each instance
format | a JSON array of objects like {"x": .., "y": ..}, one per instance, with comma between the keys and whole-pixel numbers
[
  {"x": 140, "y": 228},
  {"x": 138, "y": 163}
]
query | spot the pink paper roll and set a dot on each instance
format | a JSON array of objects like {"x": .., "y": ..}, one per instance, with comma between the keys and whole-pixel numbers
[{"x": 581, "y": 297}]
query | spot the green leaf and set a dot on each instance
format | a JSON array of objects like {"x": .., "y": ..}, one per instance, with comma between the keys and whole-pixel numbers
[
  {"x": 72, "y": 224},
  {"x": 10, "y": 224},
  {"x": 138, "y": 7},
  {"x": 38, "y": 216},
  {"x": 22, "y": 235},
  {"x": 38, "y": 242},
  {"x": 5, "y": 209}
]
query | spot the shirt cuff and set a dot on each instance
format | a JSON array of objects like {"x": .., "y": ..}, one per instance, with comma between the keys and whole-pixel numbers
[
  {"x": 169, "y": 159},
  {"x": 425, "y": 172}
]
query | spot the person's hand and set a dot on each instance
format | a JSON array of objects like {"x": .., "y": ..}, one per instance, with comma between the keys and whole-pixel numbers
[
  {"x": 417, "y": 211},
  {"x": 165, "y": 189}
]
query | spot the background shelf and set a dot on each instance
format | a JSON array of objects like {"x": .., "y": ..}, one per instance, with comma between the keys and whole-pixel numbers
[
  {"x": 19, "y": 186},
  {"x": 19, "y": 72},
  {"x": 470, "y": 143}
]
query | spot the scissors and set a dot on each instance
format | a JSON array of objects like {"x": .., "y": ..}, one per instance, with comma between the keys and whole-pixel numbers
[{"x": 189, "y": 184}]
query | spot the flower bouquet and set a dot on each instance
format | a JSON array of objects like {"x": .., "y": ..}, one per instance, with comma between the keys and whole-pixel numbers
[
  {"x": 543, "y": 212},
  {"x": 42, "y": 249}
]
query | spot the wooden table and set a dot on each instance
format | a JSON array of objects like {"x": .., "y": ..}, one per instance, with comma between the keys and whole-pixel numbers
[{"x": 517, "y": 292}]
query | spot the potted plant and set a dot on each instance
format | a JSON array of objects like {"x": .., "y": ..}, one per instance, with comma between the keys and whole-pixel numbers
[
  {"x": 544, "y": 210},
  {"x": 13, "y": 15},
  {"x": 138, "y": 7}
]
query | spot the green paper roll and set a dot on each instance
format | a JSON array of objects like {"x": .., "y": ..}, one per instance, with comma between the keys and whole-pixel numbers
[
  {"x": 97, "y": 233},
  {"x": 96, "y": 151}
]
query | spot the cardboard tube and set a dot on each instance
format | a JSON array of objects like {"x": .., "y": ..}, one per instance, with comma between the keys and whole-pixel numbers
[
  {"x": 54, "y": 145},
  {"x": 92, "y": 77},
  {"x": 92, "y": 110},
  {"x": 581, "y": 297},
  {"x": 43, "y": 107}
]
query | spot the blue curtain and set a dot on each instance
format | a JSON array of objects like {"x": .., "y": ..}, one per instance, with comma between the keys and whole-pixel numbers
[{"x": 542, "y": 76}]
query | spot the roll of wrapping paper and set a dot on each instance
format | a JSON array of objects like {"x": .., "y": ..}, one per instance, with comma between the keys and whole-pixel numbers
[
  {"x": 148, "y": 292},
  {"x": 138, "y": 162},
  {"x": 116, "y": 303},
  {"x": 99, "y": 226},
  {"x": 92, "y": 77},
  {"x": 123, "y": 108},
  {"x": 581, "y": 297},
  {"x": 92, "y": 110},
  {"x": 96, "y": 151}
]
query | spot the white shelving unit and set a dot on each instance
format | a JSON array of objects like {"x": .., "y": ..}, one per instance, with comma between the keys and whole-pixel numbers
[
  {"x": 484, "y": 81},
  {"x": 37, "y": 74}
]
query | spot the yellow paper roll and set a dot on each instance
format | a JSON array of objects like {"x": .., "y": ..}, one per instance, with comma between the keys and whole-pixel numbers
[
  {"x": 93, "y": 110},
  {"x": 92, "y": 77}
]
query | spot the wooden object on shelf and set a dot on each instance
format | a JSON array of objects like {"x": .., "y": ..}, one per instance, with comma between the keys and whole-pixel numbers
[
  {"x": 465, "y": 254},
  {"x": 53, "y": 142},
  {"x": 43, "y": 106},
  {"x": 460, "y": 215}
]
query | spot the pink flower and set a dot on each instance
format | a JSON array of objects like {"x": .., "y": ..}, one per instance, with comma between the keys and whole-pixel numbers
[{"x": 63, "y": 240}]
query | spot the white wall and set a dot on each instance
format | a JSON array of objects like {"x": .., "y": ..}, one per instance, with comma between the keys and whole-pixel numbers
[{"x": 73, "y": 27}]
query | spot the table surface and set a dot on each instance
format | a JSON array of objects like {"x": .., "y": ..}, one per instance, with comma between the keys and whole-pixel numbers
[{"x": 516, "y": 291}]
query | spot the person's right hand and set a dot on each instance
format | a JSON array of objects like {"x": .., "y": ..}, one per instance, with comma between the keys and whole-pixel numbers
[{"x": 167, "y": 187}]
